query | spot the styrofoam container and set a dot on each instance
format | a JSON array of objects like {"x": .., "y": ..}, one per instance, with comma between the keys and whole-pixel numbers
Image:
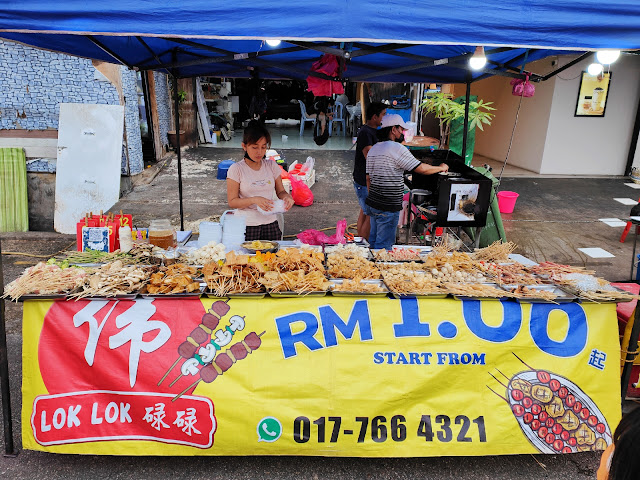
[{"x": 209, "y": 232}]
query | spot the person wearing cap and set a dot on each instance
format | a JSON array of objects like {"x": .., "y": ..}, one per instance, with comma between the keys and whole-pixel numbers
[{"x": 387, "y": 161}]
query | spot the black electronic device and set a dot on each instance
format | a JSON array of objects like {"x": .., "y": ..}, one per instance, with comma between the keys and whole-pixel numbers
[{"x": 461, "y": 196}]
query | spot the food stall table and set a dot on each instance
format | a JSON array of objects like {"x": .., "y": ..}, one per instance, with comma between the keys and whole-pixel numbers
[{"x": 318, "y": 375}]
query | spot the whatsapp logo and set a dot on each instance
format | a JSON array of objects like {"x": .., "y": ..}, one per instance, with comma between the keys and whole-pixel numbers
[{"x": 269, "y": 429}]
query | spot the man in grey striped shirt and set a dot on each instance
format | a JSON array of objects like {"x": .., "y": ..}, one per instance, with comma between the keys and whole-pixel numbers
[{"x": 386, "y": 163}]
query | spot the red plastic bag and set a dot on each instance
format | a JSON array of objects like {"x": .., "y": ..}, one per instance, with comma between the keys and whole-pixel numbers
[
  {"x": 328, "y": 64},
  {"x": 522, "y": 88},
  {"x": 301, "y": 194},
  {"x": 316, "y": 237}
]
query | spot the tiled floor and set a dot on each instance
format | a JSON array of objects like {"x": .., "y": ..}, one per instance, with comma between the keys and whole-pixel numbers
[{"x": 291, "y": 130}]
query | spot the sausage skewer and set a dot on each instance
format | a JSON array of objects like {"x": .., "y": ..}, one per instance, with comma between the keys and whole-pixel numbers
[
  {"x": 200, "y": 334},
  {"x": 223, "y": 337},
  {"x": 225, "y": 360}
]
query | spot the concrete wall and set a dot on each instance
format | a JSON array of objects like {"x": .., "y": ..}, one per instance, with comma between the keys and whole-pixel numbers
[
  {"x": 548, "y": 138},
  {"x": 531, "y": 131},
  {"x": 636, "y": 158},
  {"x": 592, "y": 145},
  {"x": 41, "y": 189}
]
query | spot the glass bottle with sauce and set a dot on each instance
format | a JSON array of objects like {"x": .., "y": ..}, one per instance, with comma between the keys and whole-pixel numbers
[{"x": 162, "y": 234}]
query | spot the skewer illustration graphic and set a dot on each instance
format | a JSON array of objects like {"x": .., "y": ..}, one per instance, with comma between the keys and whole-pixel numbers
[
  {"x": 207, "y": 352},
  {"x": 200, "y": 334},
  {"x": 554, "y": 414},
  {"x": 225, "y": 360}
]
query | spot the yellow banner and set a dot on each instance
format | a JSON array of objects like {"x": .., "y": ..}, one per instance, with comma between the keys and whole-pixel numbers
[{"x": 332, "y": 376}]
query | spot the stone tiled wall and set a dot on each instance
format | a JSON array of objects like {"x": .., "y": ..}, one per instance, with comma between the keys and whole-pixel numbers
[
  {"x": 131, "y": 122},
  {"x": 163, "y": 99},
  {"x": 34, "y": 82}
]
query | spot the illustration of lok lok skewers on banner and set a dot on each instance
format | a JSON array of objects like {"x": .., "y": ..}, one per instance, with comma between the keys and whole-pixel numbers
[
  {"x": 555, "y": 415},
  {"x": 203, "y": 348}
]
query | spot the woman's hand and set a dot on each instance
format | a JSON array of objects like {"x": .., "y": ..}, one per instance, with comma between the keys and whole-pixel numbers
[
  {"x": 288, "y": 201},
  {"x": 263, "y": 203}
]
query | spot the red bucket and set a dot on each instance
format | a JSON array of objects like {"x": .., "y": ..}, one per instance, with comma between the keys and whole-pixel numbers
[{"x": 507, "y": 201}]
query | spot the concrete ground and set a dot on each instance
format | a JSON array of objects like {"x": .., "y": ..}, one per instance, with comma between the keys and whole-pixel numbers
[{"x": 552, "y": 219}]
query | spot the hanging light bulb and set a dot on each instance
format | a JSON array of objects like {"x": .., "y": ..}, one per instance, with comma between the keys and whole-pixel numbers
[
  {"x": 607, "y": 57},
  {"x": 273, "y": 43},
  {"x": 478, "y": 60},
  {"x": 595, "y": 69}
]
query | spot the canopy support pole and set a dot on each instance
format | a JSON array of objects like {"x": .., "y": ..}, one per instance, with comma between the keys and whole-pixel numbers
[
  {"x": 9, "y": 449},
  {"x": 465, "y": 130},
  {"x": 177, "y": 125}
]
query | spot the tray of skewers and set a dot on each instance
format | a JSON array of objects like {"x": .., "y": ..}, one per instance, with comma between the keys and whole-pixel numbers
[
  {"x": 177, "y": 280},
  {"x": 357, "y": 288},
  {"x": 541, "y": 293}
]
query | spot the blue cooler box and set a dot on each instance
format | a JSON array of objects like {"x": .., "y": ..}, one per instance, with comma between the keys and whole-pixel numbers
[
  {"x": 405, "y": 113},
  {"x": 223, "y": 167}
]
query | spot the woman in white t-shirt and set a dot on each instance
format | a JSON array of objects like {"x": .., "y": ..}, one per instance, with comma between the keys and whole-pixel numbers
[{"x": 256, "y": 182}]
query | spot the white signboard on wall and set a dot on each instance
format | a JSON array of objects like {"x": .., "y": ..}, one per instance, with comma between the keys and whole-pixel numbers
[{"x": 89, "y": 158}]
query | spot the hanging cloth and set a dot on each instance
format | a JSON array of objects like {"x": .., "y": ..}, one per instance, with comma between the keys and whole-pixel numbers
[
  {"x": 328, "y": 64},
  {"x": 14, "y": 206}
]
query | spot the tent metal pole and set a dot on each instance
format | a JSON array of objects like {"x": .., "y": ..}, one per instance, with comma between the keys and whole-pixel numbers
[
  {"x": 568, "y": 65},
  {"x": 177, "y": 124},
  {"x": 465, "y": 130},
  {"x": 228, "y": 58},
  {"x": 105, "y": 49},
  {"x": 9, "y": 449},
  {"x": 303, "y": 72},
  {"x": 157, "y": 59}
]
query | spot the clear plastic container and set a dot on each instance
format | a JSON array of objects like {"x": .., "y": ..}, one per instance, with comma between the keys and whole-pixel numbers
[{"x": 162, "y": 234}]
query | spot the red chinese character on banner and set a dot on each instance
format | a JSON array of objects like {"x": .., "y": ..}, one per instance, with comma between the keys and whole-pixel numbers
[
  {"x": 113, "y": 345},
  {"x": 187, "y": 422},
  {"x": 155, "y": 416}
]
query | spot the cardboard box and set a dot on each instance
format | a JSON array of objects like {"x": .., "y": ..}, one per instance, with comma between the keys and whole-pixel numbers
[{"x": 309, "y": 179}]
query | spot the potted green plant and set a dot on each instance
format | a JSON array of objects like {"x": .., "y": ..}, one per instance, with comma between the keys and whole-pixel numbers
[{"x": 446, "y": 110}]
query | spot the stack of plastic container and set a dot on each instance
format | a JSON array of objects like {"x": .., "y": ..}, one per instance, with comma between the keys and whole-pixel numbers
[
  {"x": 209, "y": 232},
  {"x": 233, "y": 230}
]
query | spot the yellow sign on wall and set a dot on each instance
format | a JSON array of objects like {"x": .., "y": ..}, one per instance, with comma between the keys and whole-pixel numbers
[{"x": 332, "y": 376}]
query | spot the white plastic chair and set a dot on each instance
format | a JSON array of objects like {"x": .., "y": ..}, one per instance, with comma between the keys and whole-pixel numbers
[
  {"x": 338, "y": 116},
  {"x": 355, "y": 118},
  {"x": 304, "y": 117}
]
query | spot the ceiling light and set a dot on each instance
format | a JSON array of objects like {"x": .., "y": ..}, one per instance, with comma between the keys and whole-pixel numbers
[
  {"x": 594, "y": 69},
  {"x": 607, "y": 57},
  {"x": 478, "y": 60},
  {"x": 273, "y": 43}
]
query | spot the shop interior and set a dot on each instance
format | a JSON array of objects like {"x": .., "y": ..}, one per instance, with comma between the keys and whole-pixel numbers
[{"x": 282, "y": 104}]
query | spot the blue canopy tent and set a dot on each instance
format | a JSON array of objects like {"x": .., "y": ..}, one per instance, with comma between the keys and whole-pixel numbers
[{"x": 391, "y": 41}]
